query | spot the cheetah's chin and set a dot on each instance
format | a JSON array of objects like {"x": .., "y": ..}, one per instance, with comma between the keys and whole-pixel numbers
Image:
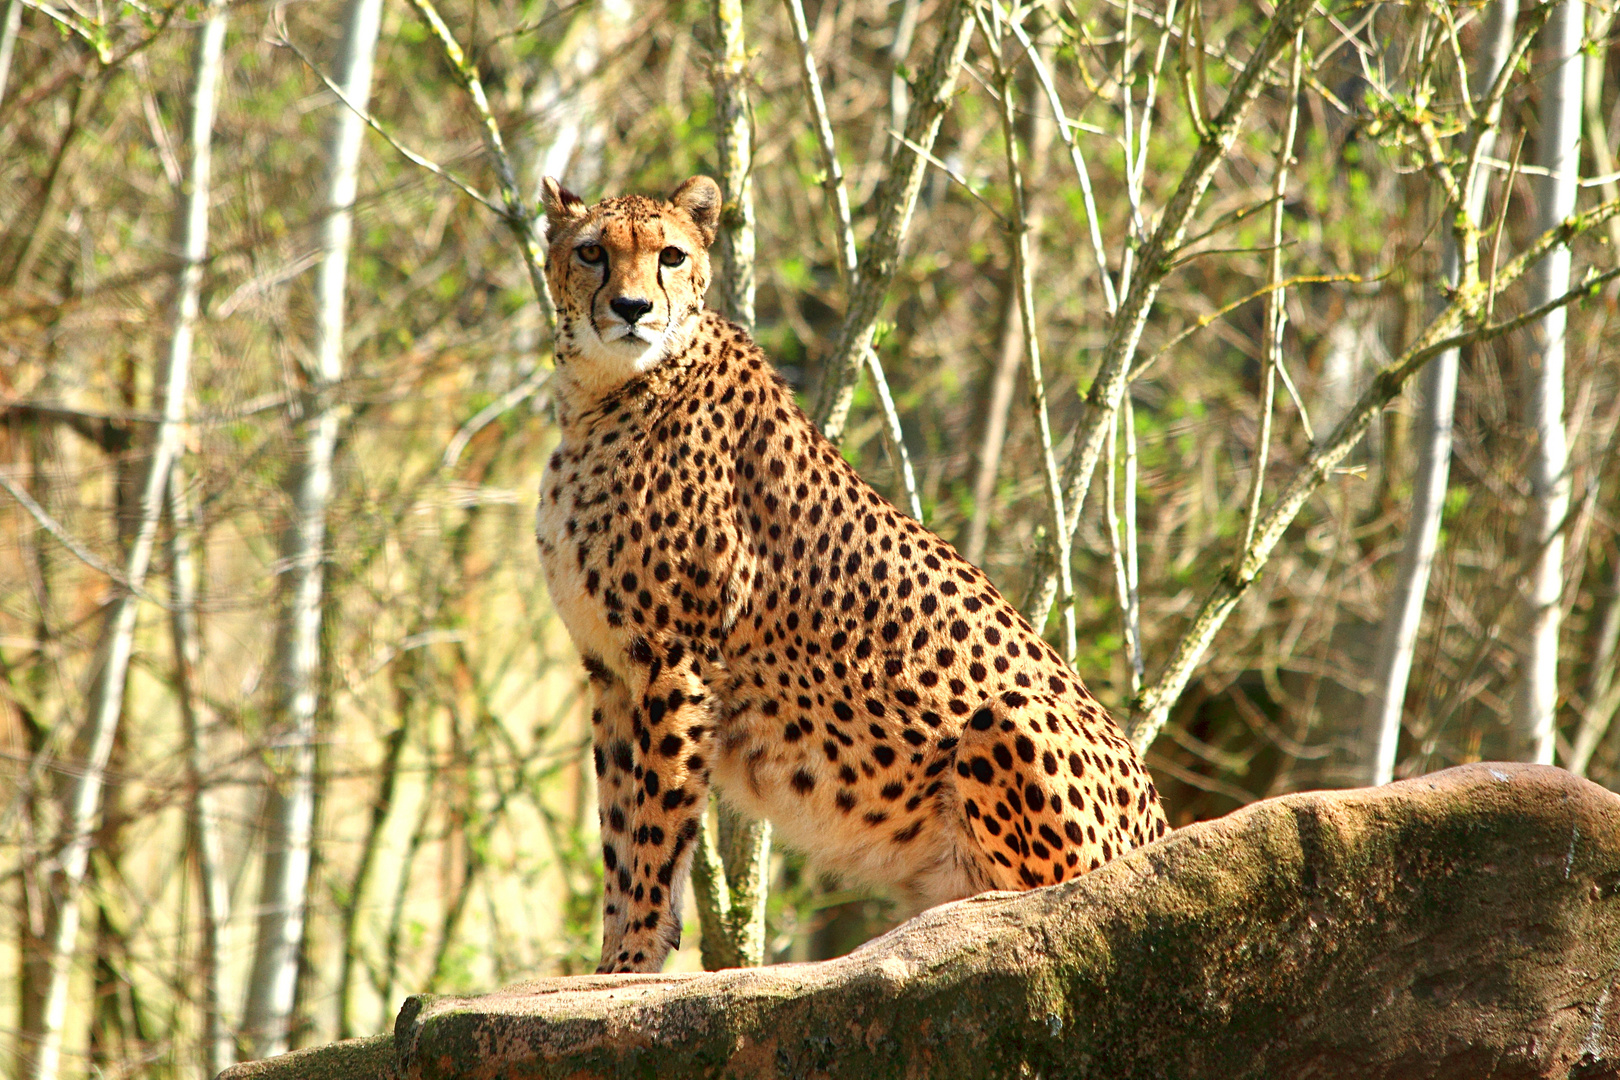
[{"x": 637, "y": 347}]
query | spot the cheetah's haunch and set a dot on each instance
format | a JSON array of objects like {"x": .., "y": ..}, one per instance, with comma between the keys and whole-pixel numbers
[{"x": 754, "y": 615}]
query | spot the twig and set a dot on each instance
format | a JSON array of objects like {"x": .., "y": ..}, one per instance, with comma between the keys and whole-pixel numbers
[
  {"x": 894, "y": 438},
  {"x": 67, "y": 540},
  {"x": 1602, "y": 179},
  {"x": 1204, "y": 321},
  {"x": 67, "y": 21},
  {"x": 519, "y": 219},
  {"x": 1501, "y": 220},
  {"x": 1137, "y": 174},
  {"x": 1293, "y": 391},
  {"x": 488, "y": 414},
  {"x": 1271, "y": 343},
  {"x": 953, "y": 174},
  {"x": 283, "y": 40},
  {"x": 1032, "y": 349},
  {"x": 833, "y": 171},
  {"x": 1039, "y": 127},
  {"x": 1587, "y": 287},
  {"x": 1081, "y": 173}
]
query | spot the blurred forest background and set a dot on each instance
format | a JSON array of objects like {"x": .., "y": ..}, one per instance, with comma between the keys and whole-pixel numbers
[{"x": 288, "y": 728}]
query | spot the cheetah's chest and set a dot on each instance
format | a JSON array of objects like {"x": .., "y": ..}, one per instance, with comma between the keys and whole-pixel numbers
[{"x": 569, "y": 518}]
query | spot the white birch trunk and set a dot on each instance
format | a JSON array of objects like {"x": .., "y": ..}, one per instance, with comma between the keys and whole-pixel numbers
[
  {"x": 1392, "y": 665},
  {"x": 566, "y": 129},
  {"x": 290, "y": 804},
  {"x": 111, "y": 668},
  {"x": 10, "y": 24},
  {"x": 1558, "y": 151}
]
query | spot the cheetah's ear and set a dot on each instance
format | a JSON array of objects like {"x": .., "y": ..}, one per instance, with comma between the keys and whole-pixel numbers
[
  {"x": 562, "y": 205},
  {"x": 700, "y": 198}
]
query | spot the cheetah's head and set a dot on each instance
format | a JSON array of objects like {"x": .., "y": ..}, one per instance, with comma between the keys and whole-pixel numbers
[{"x": 628, "y": 277}]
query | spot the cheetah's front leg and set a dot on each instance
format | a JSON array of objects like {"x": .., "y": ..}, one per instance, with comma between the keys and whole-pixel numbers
[
  {"x": 653, "y": 760},
  {"x": 614, "y": 757}
]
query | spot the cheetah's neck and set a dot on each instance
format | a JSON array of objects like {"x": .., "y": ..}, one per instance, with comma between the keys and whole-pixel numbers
[{"x": 582, "y": 389}]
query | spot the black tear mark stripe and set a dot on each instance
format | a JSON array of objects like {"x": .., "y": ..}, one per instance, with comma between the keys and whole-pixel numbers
[
  {"x": 591, "y": 311},
  {"x": 669, "y": 306}
]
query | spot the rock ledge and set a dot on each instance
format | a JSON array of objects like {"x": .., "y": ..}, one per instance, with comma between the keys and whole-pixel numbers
[{"x": 1464, "y": 924}]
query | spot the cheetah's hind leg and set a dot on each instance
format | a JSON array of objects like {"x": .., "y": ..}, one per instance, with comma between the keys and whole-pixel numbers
[{"x": 1046, "y": 803}]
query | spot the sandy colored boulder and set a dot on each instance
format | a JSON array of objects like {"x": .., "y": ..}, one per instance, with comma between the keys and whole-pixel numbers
[{"x": 1464, "y": 924}]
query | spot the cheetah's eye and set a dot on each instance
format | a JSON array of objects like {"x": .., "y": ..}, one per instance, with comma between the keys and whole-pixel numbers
[
  {"x": 672, "y": 256},
  {"x": 591, "y": 254}
]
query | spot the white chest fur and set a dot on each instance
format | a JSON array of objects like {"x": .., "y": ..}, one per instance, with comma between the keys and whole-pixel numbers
[{"x": 567, "y": 568}]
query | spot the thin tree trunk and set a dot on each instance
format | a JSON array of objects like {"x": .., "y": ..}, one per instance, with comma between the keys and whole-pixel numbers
[
  {"x": 1397, "y": 640},
  {"x": 106, "y": 694},
  {"x": 206, "y": 845},
  {"x": 733, "y": 121},
  {"x": 744, "y": 845},
  {"x": 290, "y": 805},
  {"x": 1558, "y": 151}
]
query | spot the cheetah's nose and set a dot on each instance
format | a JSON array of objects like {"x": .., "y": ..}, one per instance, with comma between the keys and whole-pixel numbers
[{"x": 629, "y": 308}]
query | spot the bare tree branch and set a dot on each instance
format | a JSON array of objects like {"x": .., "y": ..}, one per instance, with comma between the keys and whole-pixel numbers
[
  {"x": 896, "y": 198},
  {"x": 844, "y": 231}
]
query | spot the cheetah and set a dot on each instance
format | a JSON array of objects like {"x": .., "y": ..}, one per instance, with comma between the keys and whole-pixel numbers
[{"x": 752, "y": 615}]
